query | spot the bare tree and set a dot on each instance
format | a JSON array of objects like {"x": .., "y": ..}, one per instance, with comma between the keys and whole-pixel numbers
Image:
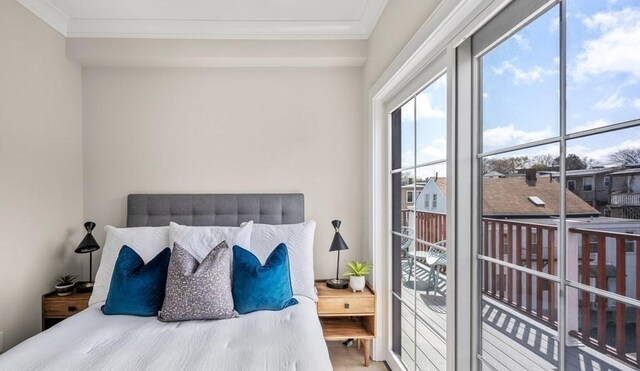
[{"x": 626, "y": 156}]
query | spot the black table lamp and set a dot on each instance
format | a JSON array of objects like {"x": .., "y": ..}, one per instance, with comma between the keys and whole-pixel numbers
[
  {"x": 338, "y": 245},
  {"x": 87, "y": 245}
]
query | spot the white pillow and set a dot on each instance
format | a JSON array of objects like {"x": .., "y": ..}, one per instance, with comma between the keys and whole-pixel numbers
[
  {"x": 146, "y": 241},
  {"x": 299, "y": 240},
  {"x": 199, "y": 241}
]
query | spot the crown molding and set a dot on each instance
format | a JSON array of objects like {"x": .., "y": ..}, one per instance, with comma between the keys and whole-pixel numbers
[
  {"x": 216, "y": 30},
  {"x": 207, "y": 29},
  {"x": 46, "y": 11},
  {"x": 216, "y": 53}
]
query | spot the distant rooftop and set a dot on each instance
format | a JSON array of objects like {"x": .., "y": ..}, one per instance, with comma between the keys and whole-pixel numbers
[
  {"x": 582, "y": 172},
  {"x": 510, "y": 197}
]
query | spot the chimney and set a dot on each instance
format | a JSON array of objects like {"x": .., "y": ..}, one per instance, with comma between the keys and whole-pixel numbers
[{"x": 531, "y": 175}]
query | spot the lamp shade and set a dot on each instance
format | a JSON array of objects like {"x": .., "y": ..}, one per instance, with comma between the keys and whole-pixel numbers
[
  {"x": 338, "y": 243},
  {"x": 88, "y": 243}
]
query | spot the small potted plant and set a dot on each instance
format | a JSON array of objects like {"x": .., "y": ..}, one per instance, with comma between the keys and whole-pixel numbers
[
  {"x": 65, "y": 284},
  {"x": 356, "y": 271}
]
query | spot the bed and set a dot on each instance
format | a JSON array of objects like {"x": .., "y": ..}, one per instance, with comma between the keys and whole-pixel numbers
[{"x": 290, "y": 339}]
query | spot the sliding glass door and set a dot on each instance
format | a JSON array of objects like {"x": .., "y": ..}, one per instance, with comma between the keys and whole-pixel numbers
[
  {"x": 557, "y": 185},
  {"x": 419, "y": 225}
]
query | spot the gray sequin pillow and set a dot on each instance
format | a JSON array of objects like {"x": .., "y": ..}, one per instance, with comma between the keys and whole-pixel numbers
[{"x": 198, "y": 291}]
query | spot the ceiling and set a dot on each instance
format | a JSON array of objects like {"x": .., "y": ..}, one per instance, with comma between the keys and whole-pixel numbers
[{"x": 210, "y": 19}]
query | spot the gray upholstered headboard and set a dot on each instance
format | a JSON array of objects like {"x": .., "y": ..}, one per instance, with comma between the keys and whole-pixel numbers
[{"x": 157, "y": 210}]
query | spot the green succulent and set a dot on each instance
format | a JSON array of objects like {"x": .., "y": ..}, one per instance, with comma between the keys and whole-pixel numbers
[
  {"x": 66, "y": 279},
  {"x": 357, "y": 268}
]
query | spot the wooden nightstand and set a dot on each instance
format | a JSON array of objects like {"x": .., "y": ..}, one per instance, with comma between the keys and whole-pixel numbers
[
  {"x": 56, "y": 308},
  {"x": 345, "y": 314}
]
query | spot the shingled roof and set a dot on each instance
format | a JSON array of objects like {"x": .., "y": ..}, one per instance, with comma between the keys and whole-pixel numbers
[{"x": 509, "y": 197}]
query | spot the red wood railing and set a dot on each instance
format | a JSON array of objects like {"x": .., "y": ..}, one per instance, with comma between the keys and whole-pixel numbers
[
  {"x": 620, "y": 250},
  {"x": 533, "y": 246},
  {"x": 528, "y": 245},
  {"x": 429, "y": 226}
]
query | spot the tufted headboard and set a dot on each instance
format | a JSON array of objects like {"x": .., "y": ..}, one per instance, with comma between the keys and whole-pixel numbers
[{"x": 156, "y": 210}]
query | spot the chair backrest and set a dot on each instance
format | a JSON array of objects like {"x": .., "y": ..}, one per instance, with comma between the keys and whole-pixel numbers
[{"x": 406, "y": 240}]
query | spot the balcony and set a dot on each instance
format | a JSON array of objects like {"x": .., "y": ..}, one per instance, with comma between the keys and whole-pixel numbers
[
  {"x": 520, "y": 310},
  {"x": 625, "y": 199}
]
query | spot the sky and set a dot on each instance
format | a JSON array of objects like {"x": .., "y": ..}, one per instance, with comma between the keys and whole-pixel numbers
[
  {"x": 520, "y": 94},
  {"x": 521, "y": 79}
]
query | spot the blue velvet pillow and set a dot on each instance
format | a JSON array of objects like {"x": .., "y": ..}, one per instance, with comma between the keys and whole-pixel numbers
[
  {"x": 257, "y": 287},
  {"x": 136, "y": 288}
]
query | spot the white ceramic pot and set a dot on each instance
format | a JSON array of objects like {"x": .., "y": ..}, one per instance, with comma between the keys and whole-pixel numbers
[
  {"x": 356, "y": 283},
  {"x": 64, "y": 290}
]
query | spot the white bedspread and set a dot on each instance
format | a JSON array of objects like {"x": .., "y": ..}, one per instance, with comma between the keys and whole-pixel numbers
[{"x": 290, "y": 339}]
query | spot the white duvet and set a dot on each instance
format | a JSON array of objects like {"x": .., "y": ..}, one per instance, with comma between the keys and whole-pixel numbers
[{"x": 290, "y": 339}]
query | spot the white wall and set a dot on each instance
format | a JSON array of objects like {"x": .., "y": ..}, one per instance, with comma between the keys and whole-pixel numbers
[
  {"x": 40, "y": 167},
  {"x": 397, "y": 24},
  {"x": 216, "y": 130}
]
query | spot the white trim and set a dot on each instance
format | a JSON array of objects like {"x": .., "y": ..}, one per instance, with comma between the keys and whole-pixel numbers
[
  {"x": 207, "y": 29},
  {"x": 49, "y": 13},
  {"x": 451, "y": 23},
  {"x": 359, "y": 29}
]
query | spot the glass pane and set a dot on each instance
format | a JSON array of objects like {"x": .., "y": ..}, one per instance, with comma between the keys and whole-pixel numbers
[
  {"x": 407, "y": 336},
  {"x": 431, "y": 127},
  {"x": 520, "y": 205},
  {"x": 608, "y": 328},
  {"x": 431, "y": 346},
  {"x": 512, "y": 340},
  {"x": 407, "y": 141},
  {"x": 601, "y": 241},
  {"x": 603, "y": 63},
  {"x": 520, "y": 79}
]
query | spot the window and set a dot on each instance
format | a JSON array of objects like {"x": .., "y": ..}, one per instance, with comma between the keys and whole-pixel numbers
[
  {"x": 587, "y": 184},
  {"x": 435, "y": 201},
  {"x": 630, "y": 245},
  {"x": 418, "y": 145},
  {"x": 551, "y": 92}
]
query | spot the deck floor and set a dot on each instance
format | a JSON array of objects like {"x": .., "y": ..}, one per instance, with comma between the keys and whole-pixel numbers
[{"x": 510, "y": 340}]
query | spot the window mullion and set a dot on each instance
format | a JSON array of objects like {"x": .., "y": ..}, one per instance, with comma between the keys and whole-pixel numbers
[{"x": 562, "y": 227}]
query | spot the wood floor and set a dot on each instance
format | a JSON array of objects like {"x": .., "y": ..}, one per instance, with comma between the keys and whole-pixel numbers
[{"x": 349, "y": 358}]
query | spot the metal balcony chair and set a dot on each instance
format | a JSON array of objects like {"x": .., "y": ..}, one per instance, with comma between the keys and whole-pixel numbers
[
  {"x": 406, "y": 240},
  {"x": 434, "y": 257}
]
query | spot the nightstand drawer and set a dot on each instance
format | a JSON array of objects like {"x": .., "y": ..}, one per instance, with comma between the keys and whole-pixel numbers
[
  {"x": 63, "y": 307},
  {"x": 346, "y": 305}
]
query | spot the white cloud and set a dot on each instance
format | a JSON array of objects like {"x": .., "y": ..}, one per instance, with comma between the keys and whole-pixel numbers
[
  {"x": 591, "y": 125},
  {"x": 425, "y": 109},
  {"x": 615, "y": 49},
  {"x": 509, "y": 135},
  {"x": 485, "y": 95},
  {"x": 636, "y": 103},
  {"x": 522, "y": 41},
  {"x": 407, "y": 158},
  {"x": 613, "y": 101},
  {"x": 601, "y": 155},
  {"x": 521, "y": 75},
  {"x": 433, "y": 153},
  {"x": 431, "y": 171},
  {"x": 554, "y": 25}
]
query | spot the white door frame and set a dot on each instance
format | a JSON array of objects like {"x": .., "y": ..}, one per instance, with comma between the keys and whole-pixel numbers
[{"x": 452, "y": 22}]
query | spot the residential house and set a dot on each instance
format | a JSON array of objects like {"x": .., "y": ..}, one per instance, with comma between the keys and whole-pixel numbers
[
  {"x": 410, "y": 192},
  {"x": 592, "y": 185},
  {"x": 433, "y": 197},
  {"x": 625, "y": 193}
]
